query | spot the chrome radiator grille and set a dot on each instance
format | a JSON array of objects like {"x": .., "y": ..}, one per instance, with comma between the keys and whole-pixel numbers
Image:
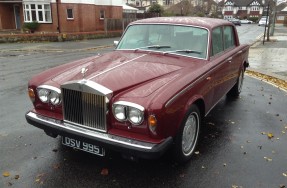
[{"x": 84, "y": 109}]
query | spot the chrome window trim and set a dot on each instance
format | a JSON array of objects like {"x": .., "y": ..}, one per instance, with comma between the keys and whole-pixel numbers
[
  {"x": 186, "y": 25},
  {"x": 100, "y": 135}
]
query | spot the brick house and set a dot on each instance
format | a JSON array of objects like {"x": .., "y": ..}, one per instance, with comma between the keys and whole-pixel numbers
[
  {"x": 242, "y": 8},
  {"x": 59, "y": 15}
]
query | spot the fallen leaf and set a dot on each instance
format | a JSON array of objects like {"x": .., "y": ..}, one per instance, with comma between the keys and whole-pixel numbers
[
  {"x": 6, "y": 174},
  {"x": 270, "y": 135},
  {"x": 268, "y": 159},
  {"x": 55, "y": 150},
  {"x": 17, "y": 177},
  {"x": 182, "y": 175},
  {"x": 260, "y": 147},
  {"x": 56, "y": 166},
  {"x": 105, "y": 172},
  {"x": 38, "y": 180}
]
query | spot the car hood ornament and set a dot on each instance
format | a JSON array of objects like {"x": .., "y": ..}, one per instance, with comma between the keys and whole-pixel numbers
[{"x": 83, "y": 71}]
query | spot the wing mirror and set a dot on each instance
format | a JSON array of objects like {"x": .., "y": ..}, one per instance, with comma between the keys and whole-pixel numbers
[{"x": 116, "y": 43}]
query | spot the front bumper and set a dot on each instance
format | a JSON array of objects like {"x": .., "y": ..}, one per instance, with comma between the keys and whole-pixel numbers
[{"x": 116, "y": 143}]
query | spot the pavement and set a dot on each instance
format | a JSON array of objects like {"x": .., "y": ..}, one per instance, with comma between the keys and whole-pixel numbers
[{"x": 270, "y": 58}]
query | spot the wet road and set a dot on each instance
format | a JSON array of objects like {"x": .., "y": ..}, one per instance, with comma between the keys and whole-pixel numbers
[{"x": 234, "y": 149}]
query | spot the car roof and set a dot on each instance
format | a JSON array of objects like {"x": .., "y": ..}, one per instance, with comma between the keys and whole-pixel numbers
[{"x": 194, "y": 21}]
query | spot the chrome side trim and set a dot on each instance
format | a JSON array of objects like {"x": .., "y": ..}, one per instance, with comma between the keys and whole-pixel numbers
[
  {"x": 103, "y": 136},
  {"x": 108, "y": 70}
]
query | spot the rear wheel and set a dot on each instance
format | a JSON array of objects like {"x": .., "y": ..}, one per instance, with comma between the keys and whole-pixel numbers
[
  {"x": 236, "y": 89},
  {"x": 187, "y": 137}
]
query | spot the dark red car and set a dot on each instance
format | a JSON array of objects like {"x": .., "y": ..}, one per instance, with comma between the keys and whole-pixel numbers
[{"x": 148, "y": 95}]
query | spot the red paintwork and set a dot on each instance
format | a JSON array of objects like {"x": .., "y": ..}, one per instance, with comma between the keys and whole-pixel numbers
[{"x": 151, "y": 79}]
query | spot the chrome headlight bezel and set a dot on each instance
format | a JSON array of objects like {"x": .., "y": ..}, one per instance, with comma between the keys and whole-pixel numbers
[
  {"x": 119, "y": 112},
  {"x": 135, "y": 115},
  {"x": 49, "y": 94},
  {"x": 131, "y": 110}
]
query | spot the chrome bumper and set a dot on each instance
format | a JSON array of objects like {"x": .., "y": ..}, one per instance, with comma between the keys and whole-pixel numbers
[{"x": 113, "y": 142}]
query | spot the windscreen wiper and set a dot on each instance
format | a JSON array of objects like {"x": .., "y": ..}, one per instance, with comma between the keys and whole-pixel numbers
[
  {"x": 154, "y": 46},
  {"x": 185, "y": 51}
]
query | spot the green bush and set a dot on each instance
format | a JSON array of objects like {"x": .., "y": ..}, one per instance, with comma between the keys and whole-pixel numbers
[{"x": 32, "y": 26}]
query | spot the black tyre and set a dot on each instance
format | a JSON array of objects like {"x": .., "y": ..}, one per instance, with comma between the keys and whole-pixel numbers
[
  {"x": 187, "y": 136},
  {"x": 236, "y": 89}
]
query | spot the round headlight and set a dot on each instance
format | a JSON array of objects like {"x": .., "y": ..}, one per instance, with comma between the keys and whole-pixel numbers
[
  {"x": 120, "y": 112},
  {"x": 135, "y": 115},
  {"x": 44, "y": 95},
  {"x": 55, "y": 98}
]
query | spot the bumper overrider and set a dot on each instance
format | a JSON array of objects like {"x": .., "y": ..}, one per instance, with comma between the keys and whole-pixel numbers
[{"x": 108, "y": 141}]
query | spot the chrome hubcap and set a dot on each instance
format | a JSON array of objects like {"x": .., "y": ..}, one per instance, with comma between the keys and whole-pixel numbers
[
  {"x": 190, "y": 133},
  {"x": 240, "y": 81}
]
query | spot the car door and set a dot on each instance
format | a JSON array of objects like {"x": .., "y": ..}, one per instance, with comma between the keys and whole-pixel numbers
[
  {"x": 233, "y": 58},
  {"x": 220, "y": 64}
]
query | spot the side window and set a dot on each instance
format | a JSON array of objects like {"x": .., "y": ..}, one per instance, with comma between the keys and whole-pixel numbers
[
  {"x": 228, "y": 37},
  {"x": 217, "y": 41}
]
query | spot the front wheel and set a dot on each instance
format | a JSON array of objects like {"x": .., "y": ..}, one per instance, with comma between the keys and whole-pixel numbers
[
  {"x": 236, "y": 89},
  {"x": 187, "y": 136}
]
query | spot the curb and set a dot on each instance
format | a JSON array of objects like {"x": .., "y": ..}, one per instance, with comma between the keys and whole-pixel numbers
[{"x": 270, "y": 79}]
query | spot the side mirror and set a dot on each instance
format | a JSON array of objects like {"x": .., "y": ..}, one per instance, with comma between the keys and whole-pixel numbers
[{"x": 116, "y": 43}]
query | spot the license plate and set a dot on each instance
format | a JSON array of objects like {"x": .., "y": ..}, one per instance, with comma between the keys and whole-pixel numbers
[{"x": 84, "y": 146}]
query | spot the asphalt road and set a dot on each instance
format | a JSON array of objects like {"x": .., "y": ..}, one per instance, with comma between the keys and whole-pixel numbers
[{"x": 234, "y": 149}]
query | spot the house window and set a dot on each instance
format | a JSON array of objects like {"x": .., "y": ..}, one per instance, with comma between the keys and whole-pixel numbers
[
  {"x": 70, "y": 14},
  {"x": 37, "y": 12},
  {"x": 102, "y": 14},
  {"x": 254, "y": 8},
  {"x": 229, "y": 8}
]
